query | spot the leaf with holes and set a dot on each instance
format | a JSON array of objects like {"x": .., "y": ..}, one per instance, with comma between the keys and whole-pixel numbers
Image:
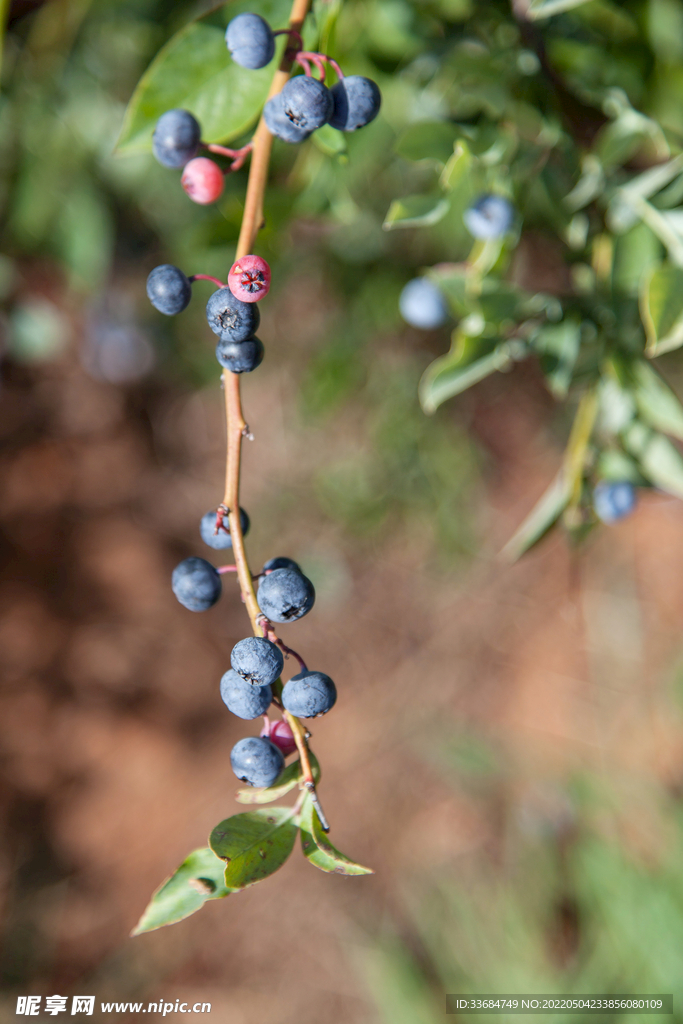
[
  {"x": 198, "y": 879},
  {"x": 320, "y": 851},
  {"x": 254, "y": 844}
]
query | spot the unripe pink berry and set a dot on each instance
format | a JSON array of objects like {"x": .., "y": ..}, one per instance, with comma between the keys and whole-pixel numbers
[
  {"x": 249, "y": 278},
  {"x": 203, "y": 180},
  {"x": 281, "y": 735}
]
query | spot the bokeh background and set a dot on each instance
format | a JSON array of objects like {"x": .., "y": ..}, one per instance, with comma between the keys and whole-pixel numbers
[{"x": 507, "y": 749}]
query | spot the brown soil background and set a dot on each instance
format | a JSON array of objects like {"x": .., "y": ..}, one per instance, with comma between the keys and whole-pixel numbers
[{"x": 115, "y": 744}]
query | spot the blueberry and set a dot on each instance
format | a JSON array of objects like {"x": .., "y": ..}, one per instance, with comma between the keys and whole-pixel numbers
[
  {"x": 490, "y": 217},
  {"x": 250, "y": 41},
  {"x": 356, "y": 103},
  {"x": 306, "y": 102},
  {"x": 176, "y": 138},
  {"x": 168, "y": 289},
  {"x": 256, "y": 761},
  {"x": 230, "y": 318},
  {"x": 196, "y": 584},
  {"x": 257, "y": 661},
  {"x": 612, "y": 500},
  {"x": 309, "y": 694},
  {"x": 280, "y": 563},
  {"x": 279, "y": 124},
  {"x": 240, "y": 356},
  {"x": 285, "y": 595},
  {"x": 221, "y": 540},
  {"x": 422, "y": 305},
  {"x": 243, "y": 699}
]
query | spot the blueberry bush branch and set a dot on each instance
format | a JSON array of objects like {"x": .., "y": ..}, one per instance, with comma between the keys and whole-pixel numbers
[{"x": 253, "y": 844}]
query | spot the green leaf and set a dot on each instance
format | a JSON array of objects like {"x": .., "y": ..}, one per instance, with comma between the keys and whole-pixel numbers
[
  {"x": 559, "y": 346},
  {"x": 330, "y": 141},
  {"x": 284, "y": 784},
  {"x": 543, "y": 516},
  {"x": 661, "y": 309},
  {"x": 659, "y": 460},
  {"x": 254, "y": 844},
  {"x": 428, "y": 140},
  {"x": 416, "y": 211},
  {"x": 449, "y": 375},
  {"x": 194, "y": 71},
  {"x": 198, "y": 879},
  {"x": 657, "y": 404},
  {"x": 320, "y": 851}
]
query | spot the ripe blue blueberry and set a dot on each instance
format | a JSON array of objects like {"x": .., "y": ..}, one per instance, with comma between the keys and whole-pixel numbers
[
  {"x": 612, "y": 500},
  {"x": 168, "y": 289},
  {"x": 285, "y": 595},
  {"x": 309, "y": 694},
  {"x": 279, "y": 124},
  {"x": 258, "y": 661},
  {"x": 243, "y": 699},
  {"x": 356, "y": 103},
  {"x": 421, "y": 304},
  {"x": 230, "y": 318},
  {"x": 490, "y": 217},
  {"x": 250, "y": 40},
  {"x": 307, "y": 102},
  {"x": 196, "y": 584},
  {"x": 256, "y": 761},
  {"x": 220, "y": 540},
  {"x": 280, "y": 563},
  {"x": 240, "y": 356},
  {"x": 176, "y": 138}
]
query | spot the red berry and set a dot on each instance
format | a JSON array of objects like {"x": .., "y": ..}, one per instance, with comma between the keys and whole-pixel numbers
[
  {"x": 202, "y": 180},
  {"x": 281, "y": 735},
  {"x": 249, "y": 278}
]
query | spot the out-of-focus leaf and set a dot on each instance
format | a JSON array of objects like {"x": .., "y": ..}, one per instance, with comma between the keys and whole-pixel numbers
[
  {"x": 195, "y": 71},
  {"x": 661, "y": 309},
  {"x": 416, "y": 211},
  {"x": 254, "y": 844},
  {"x": 447, "y": 376},
  {"x": 661, "y": 463},
  {"x": 285, "y": 784},
  {"x": 320, "y": 851},
  {"x": 543, "y": 516},
  {"x": 559, "y": 346},
  {"x": 198, "y": 879},
  {"x": 657, "y": 404},
  {"x": 428, "y": 140}
]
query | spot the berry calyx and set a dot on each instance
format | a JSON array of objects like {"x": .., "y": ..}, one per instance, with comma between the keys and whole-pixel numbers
[
  {"x": 243, "y": 699},
  {"x": 250, "y": 40},
  {"x": 309, "y": 695},
  {"x": 258, "y": 661},
  {"x": 256, "y": 761},
  {"x": 176, "y": 138},
  {"x": 203, "y": 180},
  {"x": 249, "y": 278},
  {"x": 168, "y": 289},
  {"x": 196, "y": 584},
  {"x": 220, "y": 539},
  {"x": 281, "y": 735}
]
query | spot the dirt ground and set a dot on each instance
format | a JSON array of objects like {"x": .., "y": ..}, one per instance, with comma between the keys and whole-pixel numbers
[{"x": 115, "y": 744}]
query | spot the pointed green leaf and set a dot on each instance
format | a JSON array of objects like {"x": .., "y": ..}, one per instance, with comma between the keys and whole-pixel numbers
[
  {"x": 447, "y": 376},
  {"x": 428, "y": 140},
  {"x": 195, "y": 71},
  {"x": 656, "y": 402},
  {"x": 285, "y": 783},
  {"x": 661, "y": 309},
  {"x": 542, "y": 517},
  {"x": 416, "y": 211},
  {"x": 320, "y": 851},
  {"x": 660, "y": 461},
  {"x": 198, "y": 879},
  {"x": 254, "y": 844}
]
